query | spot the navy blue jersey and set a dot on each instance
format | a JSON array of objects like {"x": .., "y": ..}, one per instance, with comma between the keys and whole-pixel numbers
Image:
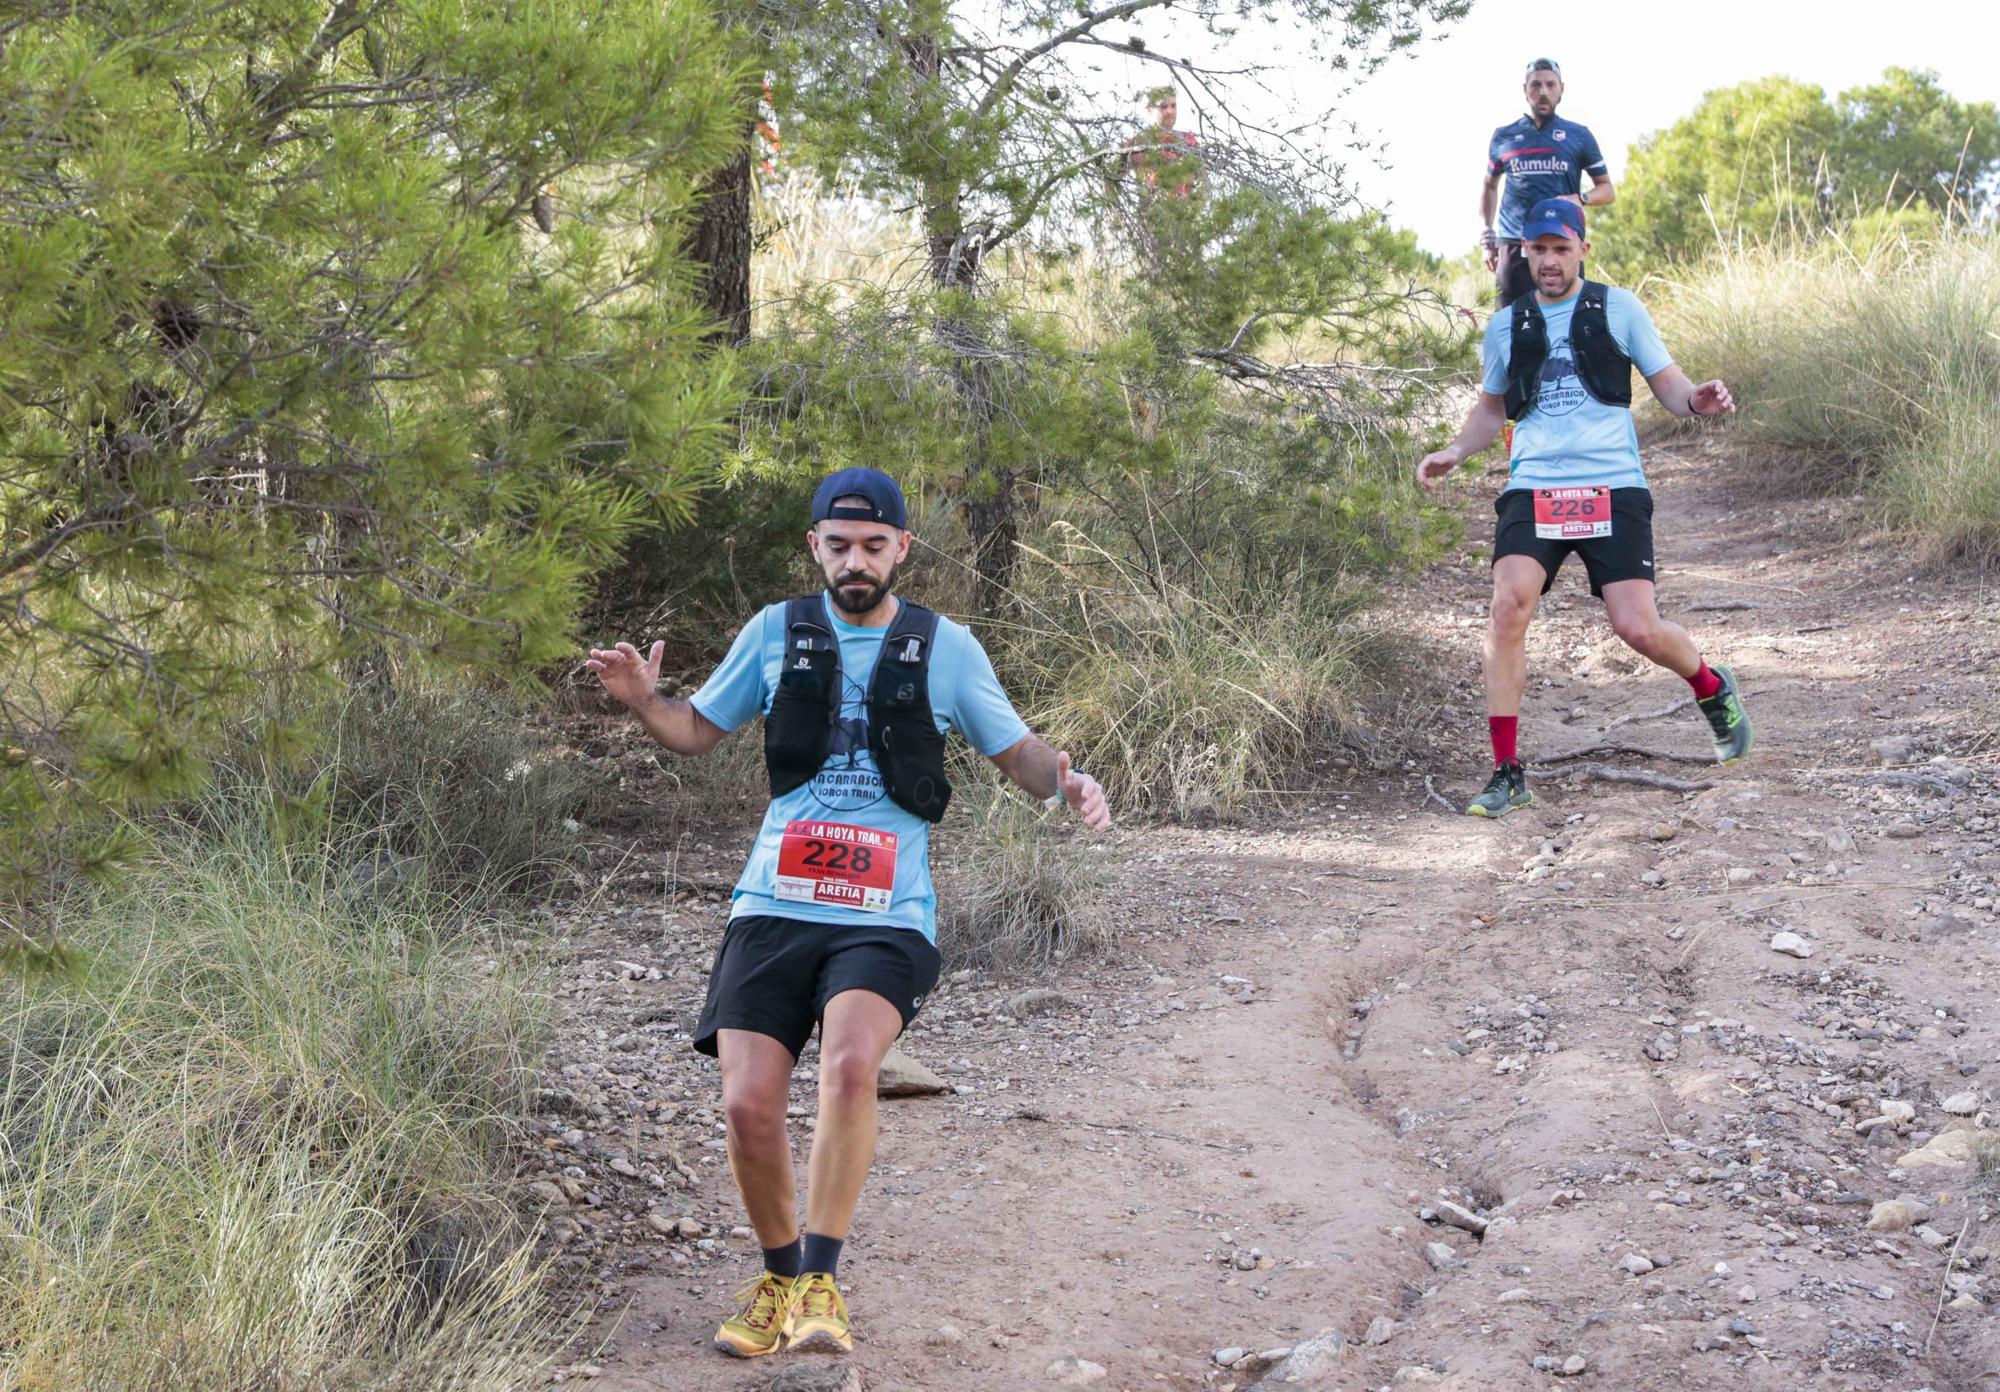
[{"x": 1545, "y": 161}]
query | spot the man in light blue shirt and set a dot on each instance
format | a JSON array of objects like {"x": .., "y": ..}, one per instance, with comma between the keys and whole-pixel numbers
[
  {"x": 834, "y": 919},
  {"x": 1559, "y": 364}
]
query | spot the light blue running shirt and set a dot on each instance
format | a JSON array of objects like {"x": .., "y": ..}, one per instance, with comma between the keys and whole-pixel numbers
[
  {"x": 1571, "y": 438},
  {"x": 965, "y": 696}
]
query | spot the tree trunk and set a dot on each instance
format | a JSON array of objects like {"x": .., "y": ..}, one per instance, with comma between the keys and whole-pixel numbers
[{"x": 721, "y": 243}]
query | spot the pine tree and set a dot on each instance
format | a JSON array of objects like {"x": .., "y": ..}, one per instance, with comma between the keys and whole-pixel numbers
[{"x": 333, "y": 331}]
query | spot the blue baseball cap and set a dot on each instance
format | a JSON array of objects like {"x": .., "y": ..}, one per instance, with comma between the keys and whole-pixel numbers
[
  {"x": 1553, "y": 217},
  {"x": 884, "y": 495}
]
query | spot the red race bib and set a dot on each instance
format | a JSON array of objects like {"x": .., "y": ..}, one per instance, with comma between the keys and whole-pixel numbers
[
  {"x": 850, "y": 867},
  {"x": 1572, "y": 514}
]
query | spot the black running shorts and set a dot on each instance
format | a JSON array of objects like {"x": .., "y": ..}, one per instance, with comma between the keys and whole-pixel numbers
[
  {"x": 1627, "y": 554},
  {"x": 1511, "y": 276},
  {"x": 775, "y": 975}
]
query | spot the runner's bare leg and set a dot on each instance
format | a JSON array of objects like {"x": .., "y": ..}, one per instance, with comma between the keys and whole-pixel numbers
[
  {"x": 854, "y": 1035},
  {"x": 1517, "y": 589},
  {"x": 756, "y": 1085},
  {"x": 1636, "y": 618}
]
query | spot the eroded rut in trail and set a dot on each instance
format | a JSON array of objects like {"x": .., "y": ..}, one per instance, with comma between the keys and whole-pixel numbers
[{"x": 1329, "y": 1033}]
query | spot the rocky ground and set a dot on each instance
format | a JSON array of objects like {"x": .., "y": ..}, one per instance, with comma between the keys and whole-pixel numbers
[{"x": 1636, "y": 1089}]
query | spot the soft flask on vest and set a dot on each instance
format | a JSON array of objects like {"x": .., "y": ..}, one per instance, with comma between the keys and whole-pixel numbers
[
  {"x": 902, "y": 733},
  {"x": 1601, "y": 365}
]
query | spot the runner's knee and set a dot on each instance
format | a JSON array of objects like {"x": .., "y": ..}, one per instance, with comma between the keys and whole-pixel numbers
[
  {"x": 1640, "y": 632},
  {"x": 1511, "y": 612},
  {"x": 755, "y": 1116},
  {"x": 846, "y": 1074}
]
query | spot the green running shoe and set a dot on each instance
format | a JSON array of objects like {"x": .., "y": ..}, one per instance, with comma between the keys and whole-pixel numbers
[
  {"x": 1728, "y": 722},
  {"x": 1507, "y": 790}
]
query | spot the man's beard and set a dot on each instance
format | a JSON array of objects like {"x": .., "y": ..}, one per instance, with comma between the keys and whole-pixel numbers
[{"x": 865, "y": 594}]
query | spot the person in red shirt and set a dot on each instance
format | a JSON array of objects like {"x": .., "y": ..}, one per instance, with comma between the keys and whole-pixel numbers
[{"x": 1164, "y": 158}]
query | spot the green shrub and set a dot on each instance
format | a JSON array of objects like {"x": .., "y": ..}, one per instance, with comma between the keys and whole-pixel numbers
[
  {"x": 1182, "y": 698},
  {"x": 260, "y": 1142},
  {"x": 1019, "y": 889},
  {"x": 1878, "y": 371}
]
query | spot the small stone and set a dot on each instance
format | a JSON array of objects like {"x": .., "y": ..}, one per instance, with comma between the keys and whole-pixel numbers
[
  {"x": 1514, "y": 1296},
  {"x": 1742, "y": 875},
  {"x": 1381, "y": 1330},
  {"x": 688, "y": 1228},
  {"x": 1891, "y": 1215},
  {"x": 1040, "y": 1001},
  {"x": 1967, "y": 1301},
  {"x": 945, "y": 1336},
  {"x": 1665, "y": 831},
  {"x": 1883, "y": 1292},
  {"x": 1961, "y": 1103},
  {"x": 1891, "y": 750},
  {"x": 1459, "y": 1217},
  {"x": 1317, "y": 1358},
  {"x": 1931, "y": 1237},
  {"x": 1661, "y": 1048},
  {"x": 1951, "y": 1148},
  {"x": 1791, "y": 944},
  {"x": 1747, "y": 1294},
  {"x": 1573, "y": 1366},
  {"x": 1710, "y": 1343},
  {"x": 1898, "y": 1111},
  {"x": 625, "y": 1167},
  {"x": 1633, "y": 1264},
  {"x": 902, "y": 1076},
  {"x": 1902, "y": 831},
  {"x": 1074, "y": 1372},
  {"x": 815, "y": 1376},
  {"x": 1440, "y": 1256},
  {"x": 663, "y": 1225},
  {"x": 548, "y": 1192}
]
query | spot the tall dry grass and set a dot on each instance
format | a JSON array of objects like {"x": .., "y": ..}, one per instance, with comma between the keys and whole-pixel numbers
[
  {"x": 1862, "y": 367},
  {"x": 259, "y": 1142}
]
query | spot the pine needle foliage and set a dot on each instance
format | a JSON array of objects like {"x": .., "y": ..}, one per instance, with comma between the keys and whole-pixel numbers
[{"x": 331, "y": 329}]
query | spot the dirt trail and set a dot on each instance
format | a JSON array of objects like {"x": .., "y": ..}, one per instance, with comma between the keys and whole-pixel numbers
[{"x": 1570, "y": 1022}]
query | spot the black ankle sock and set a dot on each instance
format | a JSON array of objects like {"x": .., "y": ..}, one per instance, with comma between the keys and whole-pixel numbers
[
  {"x": 783, "y": 1261},
  {"x": 821, "y": 1254}
]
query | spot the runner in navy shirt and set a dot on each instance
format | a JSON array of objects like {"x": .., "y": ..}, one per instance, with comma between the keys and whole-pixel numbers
[{"x": 1542, "y": 156}]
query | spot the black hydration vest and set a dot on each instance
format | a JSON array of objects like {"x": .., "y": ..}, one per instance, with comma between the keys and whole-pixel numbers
[
  {"x": 902, "y": 735},
  {"x": 1601, "y": 365}
]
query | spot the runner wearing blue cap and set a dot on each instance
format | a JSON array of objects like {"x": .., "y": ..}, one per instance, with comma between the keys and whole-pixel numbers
[
  {"x": 1541, "y": 156},
  {"x": 1559, "y": 364},
  {"x": 833, "y": 922}
]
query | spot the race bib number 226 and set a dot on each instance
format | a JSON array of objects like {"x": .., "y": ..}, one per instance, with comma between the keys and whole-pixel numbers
[
  {"x": 1572, "y": 514},
  {"x": 849, "y": 867}
]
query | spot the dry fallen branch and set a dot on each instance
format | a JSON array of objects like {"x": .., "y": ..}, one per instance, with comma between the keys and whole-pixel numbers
[
  {"x": 1711, "y": 606},
  {"x": 1618, "y": 775},
  {"x": 1612, "y": 747},
  {"x": 1431, "y": 794},
  {"x": 1662, "y": 713}
]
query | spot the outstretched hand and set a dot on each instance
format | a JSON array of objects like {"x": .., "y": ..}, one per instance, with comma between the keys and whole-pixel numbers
[
  {"x": 1435, "y": 466},
  {"x": 626, "y": 675},
  {"x": 1082, "y": 793},
  {"x": 1711, "y": 398}
]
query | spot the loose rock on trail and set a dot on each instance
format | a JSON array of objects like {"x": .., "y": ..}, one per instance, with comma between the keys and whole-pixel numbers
[{"x": 1632, "y": 1089}]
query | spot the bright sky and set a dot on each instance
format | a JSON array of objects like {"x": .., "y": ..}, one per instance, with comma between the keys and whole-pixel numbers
[{"x": 1629, "y": 69}]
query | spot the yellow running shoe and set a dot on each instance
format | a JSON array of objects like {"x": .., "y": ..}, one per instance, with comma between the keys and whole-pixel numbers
[
  {"x": 760, "y": 1324},
  {"x": 818, "y": 1318}
]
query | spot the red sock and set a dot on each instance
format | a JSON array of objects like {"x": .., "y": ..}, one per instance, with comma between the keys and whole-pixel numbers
[
  {"x": 1705, "y": 683},
  {"x": 1503, "y": 729}
]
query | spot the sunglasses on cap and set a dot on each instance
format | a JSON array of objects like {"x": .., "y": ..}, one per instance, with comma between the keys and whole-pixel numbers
[{"x": 1543, "y": 65}]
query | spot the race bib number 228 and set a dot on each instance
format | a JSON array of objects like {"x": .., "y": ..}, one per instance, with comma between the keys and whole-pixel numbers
[{"x": 849, "y": 867}]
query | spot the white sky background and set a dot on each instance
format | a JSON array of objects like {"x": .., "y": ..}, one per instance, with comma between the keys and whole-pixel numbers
[{"x": 1628, "y": 69}]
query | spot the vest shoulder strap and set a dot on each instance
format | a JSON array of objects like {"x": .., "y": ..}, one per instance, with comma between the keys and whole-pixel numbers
[{"x": 911, "y": 635}]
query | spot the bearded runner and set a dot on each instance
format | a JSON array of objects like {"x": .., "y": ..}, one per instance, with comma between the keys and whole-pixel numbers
[
  {"x": 833, "y": 924},
  {"x": 1559, "y": 364}
]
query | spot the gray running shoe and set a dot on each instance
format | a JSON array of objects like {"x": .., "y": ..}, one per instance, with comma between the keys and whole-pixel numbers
[
  {"x": 1728, "y": 722},
  {"x": 1505, "y": 791}
]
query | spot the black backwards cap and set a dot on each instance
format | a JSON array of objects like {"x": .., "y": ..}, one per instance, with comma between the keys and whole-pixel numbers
[
  {"x": 1542, "y": 65},
  {"x": 885, "y": 498}
]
